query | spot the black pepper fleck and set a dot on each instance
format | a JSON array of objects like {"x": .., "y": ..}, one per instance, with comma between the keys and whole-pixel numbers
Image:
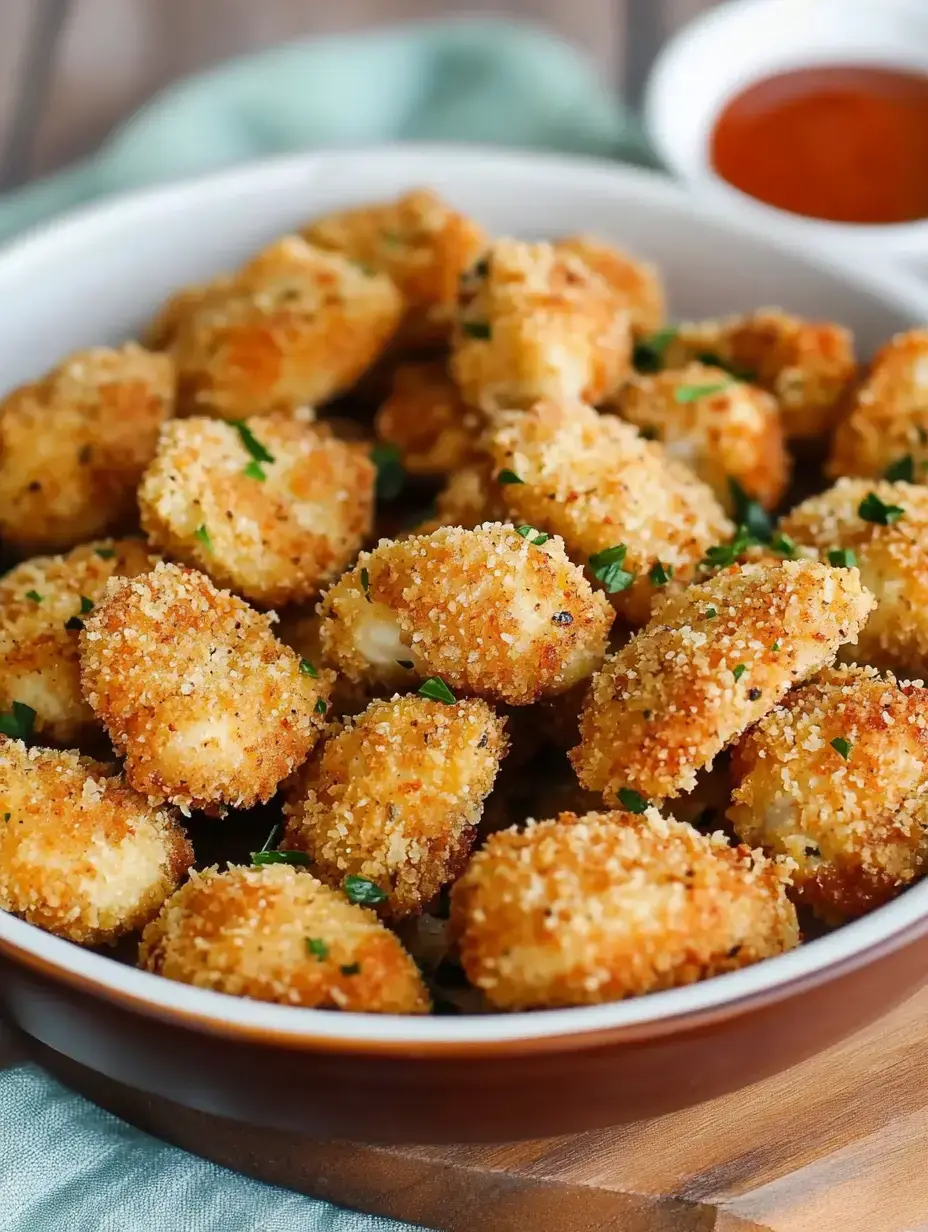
[
  {"x": 562, "y": 618},
  {"x": 753, "y": 694}
]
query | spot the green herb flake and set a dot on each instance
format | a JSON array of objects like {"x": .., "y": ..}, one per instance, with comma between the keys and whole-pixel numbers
[
  {"x": 842, "y": 558},
  {"x": 711, "y": 613},
  {"x": 606, "y": 567},
  {"x": 18, "y": 721},
  {"x": 506, "y": 476},
  {"x": 872, "y": 509},
  {"x": 692, "y": 393},
  {"x": 365, "y": 581},
  {"x": 660, "y": 574},
  {"x": 633, "y": 801},
  {"x": 317, "y": 947},
  {"x": 711, "y": 360},
  {"x": 437, "y": 691},
  {"x": 296, "y": 858},
  {"x": 360, "y": 890},
  {"x": 477, "y": 329},
  {"x": 34, "y": 596},
  {"x": 648, "y": 355},
  {"x": 784, "y": 546},
  {"x": 307, "y": 669},
  {"x": 775, "y": 647},
  {"x": 254, "y": 470},
  {"x": 902, "y": 470},
  {"x": 105, "y": 553},
  {"x": 251, "y": 442},
  {"x": 351, "y": 969},
  {"x": 841, "y": 746},
  {"x": 739, "y": 671},
  {"x": 724, "y": 554},
  {"x": 202, "y": 534},
  {"x": 391, "y": 478},
  {"x": 320, "y": 706},
  {"x": 751, "y": 516},
  {"x": 533, "y": 535},
  {"x": 86, "y": 605}
]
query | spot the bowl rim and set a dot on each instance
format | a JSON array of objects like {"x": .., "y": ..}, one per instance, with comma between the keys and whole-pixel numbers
[{"x": 857, "y": 944}]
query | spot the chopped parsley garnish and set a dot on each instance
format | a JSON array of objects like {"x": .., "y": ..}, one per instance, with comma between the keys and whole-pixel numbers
[
  {"x": 711, "y": 613},
  {"x": 320, "y": 706},
  {"x": 724, "y": 554},
  {"x": 74, "y": 624},
  {"x": 272, "y": 837},
  {"x": 258, "y": 452},
  {"x": 307, "y": 669},
  {"x": 739, "y": 671},
  {"x": 34, "y": 596},
  {"x": 872, "y": 509},
  {"x": 437, "y": 691},
  {"x": 750, "y": 514},
  {"x": 18, "y": 721},
  {"x": 86, "y": 605},
  {"x": 202, "y": 534},
  {"x": 105, "y": 553},
  {"x": 843, "y": 558},
  {"x": 390, "y": 474},
  {"x": 692, "y": 393},
  {"x": 254, "y": 470},
  {"x": 360, "y": 890},
  {"x": 477, "y": 329},
  {"x": 280, "y": 857},
  {"x": 660, "y": 574},
  {"x": 784, "y": 546},
  {"x": 606, "y": 567},
  {"x": 711, "y": 360},
  {"x": 506, "y": 476},
  {"x": 841, "y": 746},
  {"x": 350, "y": 968},
  {"x": 317, "y": 947},
  {"x": 533, "y": 535},
  {"x": 775, "y": 647},
  {"x": 648, "y": 355},
  {"x": 903, "y": 469},
  {"x": 365, "y": 581},
  {"x": 631, "y": 800}
]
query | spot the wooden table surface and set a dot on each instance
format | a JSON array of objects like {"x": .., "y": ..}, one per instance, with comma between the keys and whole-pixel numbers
[{"x": 72, "y": 69}]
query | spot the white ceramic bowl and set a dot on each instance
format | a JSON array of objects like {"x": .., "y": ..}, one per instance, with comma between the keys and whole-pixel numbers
[
  {"x": 96, "y": 277},
  {"x": 736, "y": 43}
]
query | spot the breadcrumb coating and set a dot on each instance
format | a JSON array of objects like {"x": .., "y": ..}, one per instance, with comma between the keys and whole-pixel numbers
[
  {"x": 836, "y": 778},
  {"x": 807, "y": 365},
  {"x": 293, "y": 327},
  {"x": 277, "y": 934},
  {"x": 428, "y": 421},
  {"x": 584, "y": 910},
  {"x": 42, "y": 602},
  {"x": 730, "y": 430},
  {"x": 82, "y": 855},
  {"x": 275, "y": 532},
  {"x": 420, "y": 242},
  {"x": 488, "y": 611},
  {"x": 207, "y": 706},
  {"x": 596, "y": 482},
  {"x": 892, "y": 559},
  {"x": 713, "y": 660},
  {"x": 888, "y": 417},
  {"x": 536, "y": 322},
  {"x": 74, "y": 444},
  {"x": 637, "y": 282},
  {"x": 396, "y": 795}
]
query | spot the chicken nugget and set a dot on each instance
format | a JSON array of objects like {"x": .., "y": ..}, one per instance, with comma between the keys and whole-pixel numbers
[{"x": 427, "y": 420}]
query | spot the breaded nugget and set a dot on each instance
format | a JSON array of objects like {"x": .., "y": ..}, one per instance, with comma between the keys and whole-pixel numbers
[
  {"x": 891, "y": 550},
  {"x": 713, "y": 660},
  {"x": 420, "y": 242},
  {"x": 535, "y": 322},
  {"x": 428, "y": 421},
  {"x": 277, "y": 934},
  {"x": 720, "y": 428},
  {"x": 491, "y": 612},
  {"x": 596, "y": 482},
  {"x": 637, "y": 282},
  {"x": 42, "y": 605},
  {"x": 209, "y": 708},
  {"x": 82, "y": 855},
  {"x": 583, "y": 910},
  {"x": 836, "y": 777},
  {"x": 275, "y": 531},
  {"x": 807, "y": 365},
  {"x": 294, "y": 326},
  {"x": 74, "y": 444},
  {"x": 395, "y": 797},
  {"x": 886, "y": 428}
]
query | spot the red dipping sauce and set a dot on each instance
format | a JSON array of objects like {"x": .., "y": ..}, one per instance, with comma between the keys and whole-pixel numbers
[{"x": 843, "y": 143}]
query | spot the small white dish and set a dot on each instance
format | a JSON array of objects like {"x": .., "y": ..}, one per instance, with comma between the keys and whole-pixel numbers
[{"x": 716, "y": 56}]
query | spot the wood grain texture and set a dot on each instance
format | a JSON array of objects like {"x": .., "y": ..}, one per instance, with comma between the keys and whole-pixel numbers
[{"x": 834, "y": 1145}]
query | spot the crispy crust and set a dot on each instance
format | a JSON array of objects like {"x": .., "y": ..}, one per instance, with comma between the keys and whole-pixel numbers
[
  {"x": 246, "y": 932},
  {"x": 854, "y": 826},
  {"x": 638, "y": 283},
  {"x": 663, "y": 707},
  {"x": 209, "y": 708},
  {"x": 74, "y": 444},
  {"x": 82, "y": 855},
  {"x": 428, "y": 421},
  {"x": 583, "y": 910},
  {"x": 395, "y": 797},
  {"x": 274, "y": 541},
  {"x": 489, "y": 612}
]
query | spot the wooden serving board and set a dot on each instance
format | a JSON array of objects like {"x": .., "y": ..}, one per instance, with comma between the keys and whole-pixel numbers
[{"x": 836, "y": 1145}]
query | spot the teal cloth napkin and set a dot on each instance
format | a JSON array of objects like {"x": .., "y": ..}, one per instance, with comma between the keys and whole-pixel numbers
[{"x": 63, "y": 1162}]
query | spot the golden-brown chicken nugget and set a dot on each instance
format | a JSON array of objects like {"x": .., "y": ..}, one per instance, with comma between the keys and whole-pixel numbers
[
  {"x": 207, "y": 706},
  {"x": 836, "y": 777},
  {"x": 535, "y": 322},
  {"x": 393, "y": 799},
  {"x": 82, "y": 855},
  {"x": 491, "y": 612},
  {"x": 637, "y": 282},
  {"x": 43, "y": 603},
  {"x": 713, "y": 660},
  {"x": 74, "y": 444},
  {"x": 583, "y": 910},
  {"x": 427, "y": 420},
  {"x": 270, "y": 507},
  {"x": 277, "y": 934}
]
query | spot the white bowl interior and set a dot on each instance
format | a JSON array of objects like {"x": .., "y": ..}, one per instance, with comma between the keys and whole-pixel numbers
[{"x": 98, "y": 275}]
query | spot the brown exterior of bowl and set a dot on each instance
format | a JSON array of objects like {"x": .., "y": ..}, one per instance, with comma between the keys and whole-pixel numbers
[{"x": 382, "y": 1092}]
